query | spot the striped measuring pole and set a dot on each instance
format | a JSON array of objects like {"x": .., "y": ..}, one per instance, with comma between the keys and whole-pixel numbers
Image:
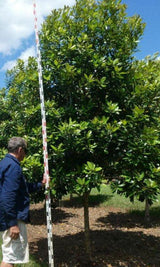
[{"x": 45, "y": 152}]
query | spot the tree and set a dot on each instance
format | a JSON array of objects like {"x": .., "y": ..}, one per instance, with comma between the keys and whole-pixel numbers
[
  {"x": 21, "y": 116},
  {"x": 87, "y": 52},
  {"x": 87, "y": 57},
  {"x": 140, "y": 165}
]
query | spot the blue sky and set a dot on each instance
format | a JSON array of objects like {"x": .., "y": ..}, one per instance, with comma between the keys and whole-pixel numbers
[
  {"x": 149, "y": 10},
  {"x": 17, "y": 28}
]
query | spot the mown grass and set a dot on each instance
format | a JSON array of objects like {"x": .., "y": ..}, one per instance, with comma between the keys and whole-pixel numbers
[
  {"x": 32, "y": 263},
  {"x": 106, "y": 198},
  {"x": 119, "y": 201},
  {"x": 116, "y": 200}
]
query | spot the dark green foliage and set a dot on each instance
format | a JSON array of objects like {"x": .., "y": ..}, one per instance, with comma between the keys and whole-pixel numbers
[{"x": 140, "y": 165}]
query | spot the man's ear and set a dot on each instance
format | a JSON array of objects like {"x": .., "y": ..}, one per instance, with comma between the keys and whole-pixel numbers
[{"x": 20, "y": 149}]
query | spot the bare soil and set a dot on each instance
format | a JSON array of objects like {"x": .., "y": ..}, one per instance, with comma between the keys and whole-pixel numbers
[{"x": 118, "y": 238}]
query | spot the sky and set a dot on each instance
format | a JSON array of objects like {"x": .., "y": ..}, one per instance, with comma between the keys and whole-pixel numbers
[{"x": 17, "y": 37}]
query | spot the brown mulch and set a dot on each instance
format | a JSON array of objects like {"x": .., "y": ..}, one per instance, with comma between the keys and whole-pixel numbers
[{"x": 118, "y": 238}]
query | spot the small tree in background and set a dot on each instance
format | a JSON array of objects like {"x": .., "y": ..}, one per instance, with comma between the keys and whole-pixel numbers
[{"x": 140, "y": 165}]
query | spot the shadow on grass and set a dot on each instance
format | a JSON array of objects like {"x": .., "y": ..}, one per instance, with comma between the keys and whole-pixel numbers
[
  {"x": 131, "y": 219},
  {"x": 77, "y": 202},
  {"x": 109, "y": 247}
]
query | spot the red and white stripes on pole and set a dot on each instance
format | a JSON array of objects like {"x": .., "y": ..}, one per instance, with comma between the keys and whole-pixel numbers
[{"x": 45, "y": 152}]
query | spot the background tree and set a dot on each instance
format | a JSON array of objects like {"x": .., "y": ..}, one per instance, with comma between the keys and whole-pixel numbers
[
  {"x": 140, "y": 165},
  {"x": 21, "y": 116}
]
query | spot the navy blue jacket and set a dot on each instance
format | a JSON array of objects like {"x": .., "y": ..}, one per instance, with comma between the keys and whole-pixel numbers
[{"x": 14, "y": 193}]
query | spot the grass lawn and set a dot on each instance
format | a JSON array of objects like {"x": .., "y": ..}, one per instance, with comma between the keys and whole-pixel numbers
[
  {"x": 106, "y": 198},
  {"x": 116, "y": 200},
  {"x": 32, "y": 263}
]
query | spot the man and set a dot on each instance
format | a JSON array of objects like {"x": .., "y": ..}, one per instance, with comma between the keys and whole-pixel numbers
[{"x": 14, "y": 204}]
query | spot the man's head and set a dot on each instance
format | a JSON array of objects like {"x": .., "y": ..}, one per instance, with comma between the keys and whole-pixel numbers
[{"x": 18, "y": 147}]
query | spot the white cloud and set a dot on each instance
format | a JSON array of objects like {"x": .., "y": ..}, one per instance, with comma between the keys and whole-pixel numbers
[
  {"x": 8, "y": 65},
  {"x": 17, "y": 20},
  {"x": 15, "y": 24},
  {"x": 29, "y": 52}
]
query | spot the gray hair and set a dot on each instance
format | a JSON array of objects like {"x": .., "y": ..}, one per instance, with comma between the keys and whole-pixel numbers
[{"x": 16, "y": 142}]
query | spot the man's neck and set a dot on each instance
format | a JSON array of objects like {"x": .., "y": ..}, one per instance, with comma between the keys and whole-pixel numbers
[{"x": 14, "y": 155}]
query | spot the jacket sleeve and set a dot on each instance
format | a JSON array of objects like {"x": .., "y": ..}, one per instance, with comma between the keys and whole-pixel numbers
[{"x": 9, "y": 194}]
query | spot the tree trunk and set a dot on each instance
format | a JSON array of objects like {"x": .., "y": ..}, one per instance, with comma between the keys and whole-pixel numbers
[
  {"x": 71, "y": 197},
  {"x": 86, "y": 225},
  {"x": 147, "y": 214}
]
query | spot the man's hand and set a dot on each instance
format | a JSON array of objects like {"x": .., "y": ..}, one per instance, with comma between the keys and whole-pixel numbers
[
  {"x": 14, "y": 232},
  {"x": 44, "y": 181}
]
